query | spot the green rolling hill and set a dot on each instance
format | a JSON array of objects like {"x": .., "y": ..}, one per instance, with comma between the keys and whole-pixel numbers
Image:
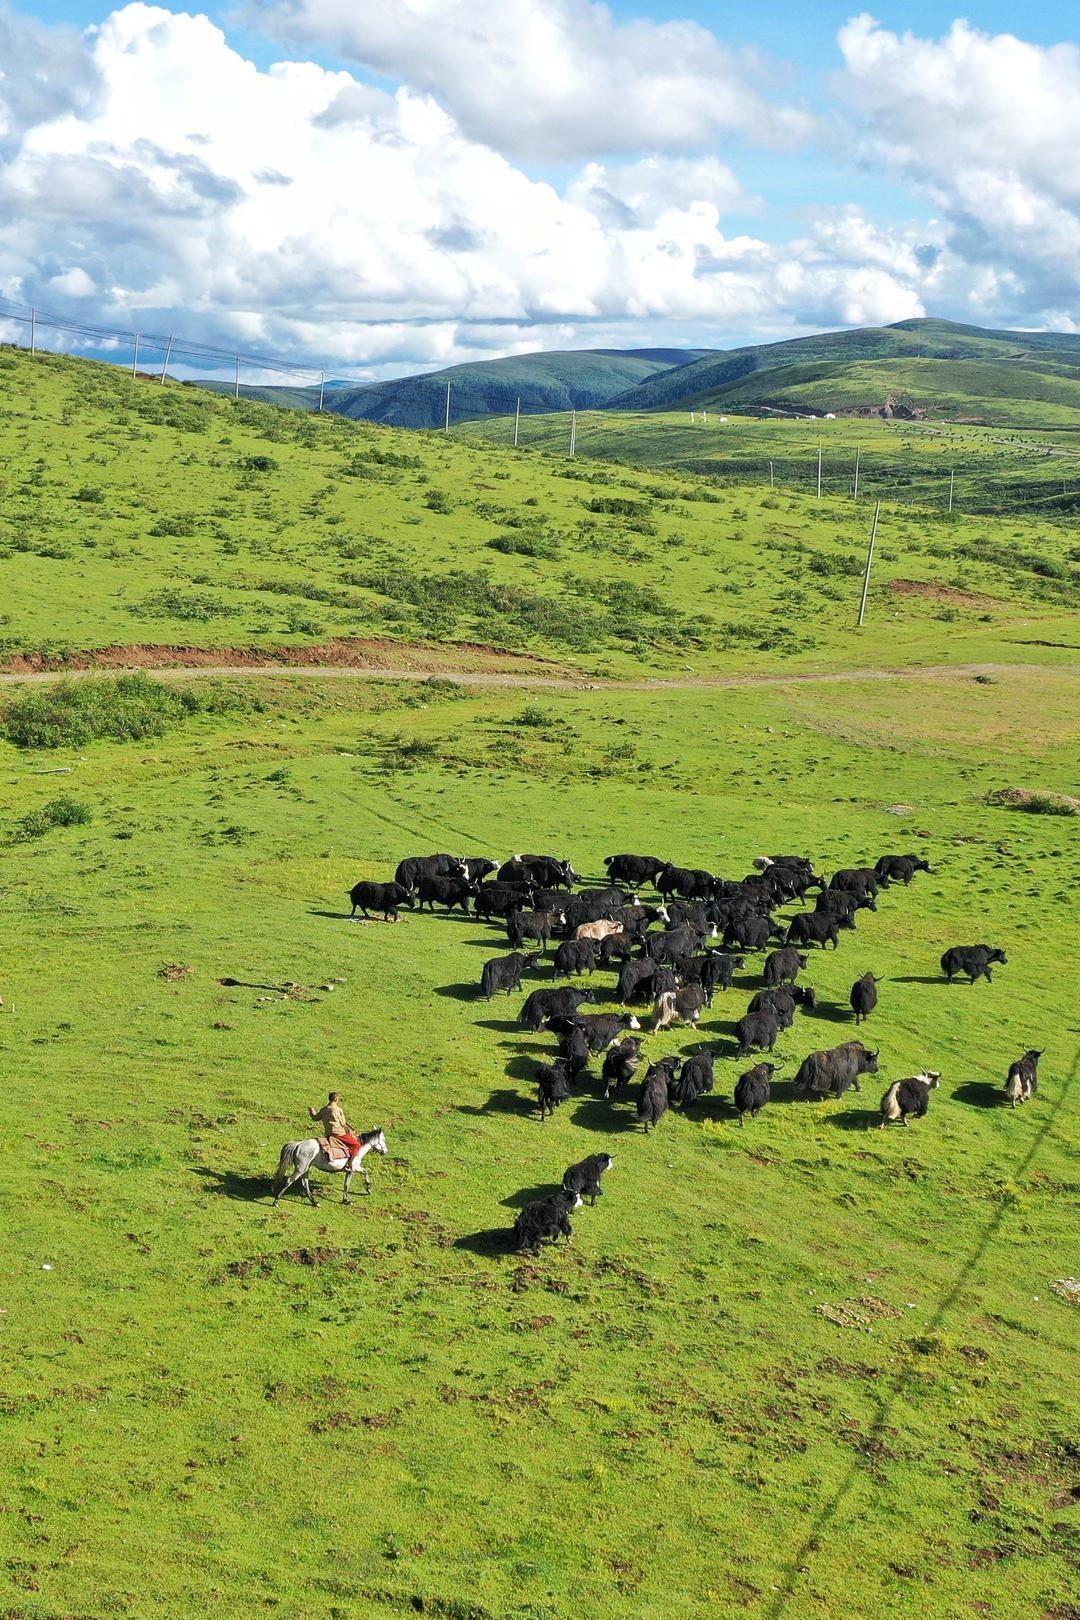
[
  {"x": 939, "y": 370},
  {"x": 549, "y": 381},
  {"x": 926, "y": 368},
  {"x": 558, "y": 381}
]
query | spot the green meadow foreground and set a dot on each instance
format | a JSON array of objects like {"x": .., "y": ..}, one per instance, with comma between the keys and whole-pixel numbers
[{"x": 800, "y": 1369}]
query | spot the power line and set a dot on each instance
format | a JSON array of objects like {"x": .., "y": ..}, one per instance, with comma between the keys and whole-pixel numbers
[{"x": 179, "y": 347}]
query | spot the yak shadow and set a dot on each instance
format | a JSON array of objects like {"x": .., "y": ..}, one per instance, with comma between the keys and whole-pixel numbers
[
  {"x": 833, "y": 1012},
  {"x": 597, "y": 1115},
  {"x": 855, "y": 1119},
  {"x": 248, "y": 1189},
  {"x": 336, "y": 916},
  {"x": 523, "y": 1067},
  {"x": 495, "y": 1241},
  {"x": 919, "y": 978},
  {"x": 980, "y": 1094},
  {"x": 527, "y": 1195},
  {"x": 459, "y": 992},
  {"x": 782, "y": 1091},
  {"x": 505, "y": 1026},
  {"x": 502, "y": 1102}
]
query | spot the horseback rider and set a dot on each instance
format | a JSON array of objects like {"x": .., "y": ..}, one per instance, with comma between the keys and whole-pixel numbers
[{"x": 332, "y": 1119}]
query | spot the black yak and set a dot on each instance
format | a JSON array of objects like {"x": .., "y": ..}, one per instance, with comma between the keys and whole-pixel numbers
[
  {"x": 830, "y": 1073},
  {"x": 1023, "y": 1078},
  {"x": 912, "y": 1096},
  {"x": 584, "y": 1178}
]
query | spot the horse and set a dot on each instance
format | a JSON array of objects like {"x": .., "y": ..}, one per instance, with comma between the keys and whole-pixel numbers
[{"x": 302, "y": 1157}]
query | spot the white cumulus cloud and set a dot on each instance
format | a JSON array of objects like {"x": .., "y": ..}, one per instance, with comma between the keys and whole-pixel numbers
[
  {"x": 551, "y": 78},
  {"x": 987, "y": 126}
]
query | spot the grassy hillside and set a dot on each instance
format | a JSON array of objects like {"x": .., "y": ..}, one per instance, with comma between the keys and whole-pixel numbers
[
  {"x": 993, "y": 392},
  {"x": 139, "y": 513},
  {"x": 944, "y": 368},
  {"x": 1003, "y": 473},
  {"x": 550, "y": 381},
  {"x": 798, "y": 1369}
]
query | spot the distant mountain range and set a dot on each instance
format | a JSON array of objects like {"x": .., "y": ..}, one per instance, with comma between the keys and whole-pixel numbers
[
  {"x": 914, "y": 368},
  {"x": 558, "y": 380}
]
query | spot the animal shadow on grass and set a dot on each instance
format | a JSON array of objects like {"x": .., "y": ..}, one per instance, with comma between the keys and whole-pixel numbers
[
  {"x": 979, "y": 1094},
  {"x": 336, "y": 916},
  {"x": 518, "y": 1200},
  {"x": 919, "y": 978},
  {"x": 459, "y": 992},
  {"x": 523, "y": 1066},
  {"x": 780, "y": 1091},
  {"x": 597, "y": 1115},
  {"x": 246, "y": 1188},
  {"x": 833, "y": 1012},
  {"x": 505, "y": 1026},
  {"x": 495, "y": 1241},
  {"x": 854, "y": 1119},
  {"x": 503, "y": 1102}
]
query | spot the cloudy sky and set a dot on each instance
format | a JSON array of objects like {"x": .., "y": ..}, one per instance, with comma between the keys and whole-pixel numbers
[{"x": 381, "y": 186}]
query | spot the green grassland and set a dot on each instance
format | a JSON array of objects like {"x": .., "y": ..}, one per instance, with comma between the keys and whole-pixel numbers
[
  {"x": 801, "y": 1369},
  {"x": 135, "y": 513},
  {"x": 1034, "y": 476}
]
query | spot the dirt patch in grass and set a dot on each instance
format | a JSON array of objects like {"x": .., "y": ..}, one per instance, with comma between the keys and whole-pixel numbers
[
  {"x": 343, "y": 652},
  {"x": 943, "y": 593}
]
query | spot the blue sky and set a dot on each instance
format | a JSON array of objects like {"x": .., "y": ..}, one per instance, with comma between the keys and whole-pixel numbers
[{"x": 437, "y": 180}]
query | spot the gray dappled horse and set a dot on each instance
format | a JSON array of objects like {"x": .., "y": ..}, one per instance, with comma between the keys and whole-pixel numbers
[{"x": 310, "y": 1154}]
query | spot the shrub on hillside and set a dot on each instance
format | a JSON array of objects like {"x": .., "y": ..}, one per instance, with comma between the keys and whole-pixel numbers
[
  {"x": 122, "y": 708},
  {"x": 174, "y": 526},
  {"x": 65, "y": 811},
  {"x": 618, "y": 506},
  {"x": 197, "y": 606},
  {"x": 526, "y": 545}
]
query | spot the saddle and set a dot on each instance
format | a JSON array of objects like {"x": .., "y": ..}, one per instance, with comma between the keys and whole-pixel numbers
[{"x": 333, "y": 1150}]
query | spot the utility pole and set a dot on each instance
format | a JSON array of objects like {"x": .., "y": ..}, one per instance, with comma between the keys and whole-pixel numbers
[
  {"x": 446, "y": 426},
  {"x": 772, "y": 482},
  {"x": 819, "y": 469},
  {"x": 517, "y": 420},
  {"x": 168, "y": 353},
  {"x": 33, "y": 331},
  {"x": 135, "y": 358},
  {"x": 236, "y": 383},
  {"x": 858, "y": 447},
  {"x": 952, "y": 481},
  {"x": 869, "y": 561},
  {"x": 573, "y": 431},
  {"x": 322, "y": 387}
]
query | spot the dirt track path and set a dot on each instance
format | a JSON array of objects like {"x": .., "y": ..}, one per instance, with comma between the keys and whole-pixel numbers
[{"x": 560, "y": 683}]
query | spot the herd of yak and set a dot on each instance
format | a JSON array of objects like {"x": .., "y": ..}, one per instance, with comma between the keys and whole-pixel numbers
[{"x": 675, "y": 952}]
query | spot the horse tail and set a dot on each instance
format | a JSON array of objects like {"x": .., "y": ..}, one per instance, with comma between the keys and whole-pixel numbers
[{"x": 286, "y": 1163}]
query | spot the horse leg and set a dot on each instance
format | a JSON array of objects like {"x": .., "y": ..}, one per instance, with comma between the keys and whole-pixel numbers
[
  {"x": 348, "y": 1182},
  {"x": 367, "y": 1178},
  {"x": 290, "y": 1183},
  {"x": 306, "y": 1184}
]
